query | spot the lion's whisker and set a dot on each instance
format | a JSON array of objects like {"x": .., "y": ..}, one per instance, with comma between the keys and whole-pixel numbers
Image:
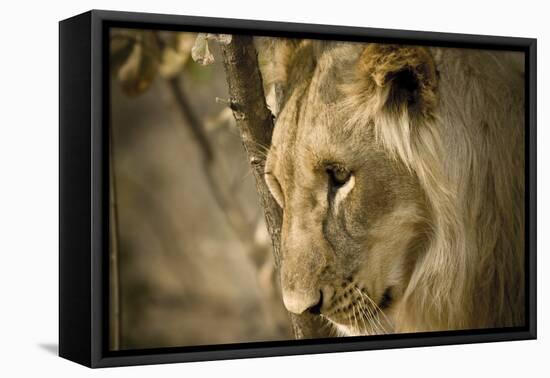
[
  {"x": 379, "y": 310},
  {"x": 375, "y": 322},
  {"x": 365, "y": 316}
]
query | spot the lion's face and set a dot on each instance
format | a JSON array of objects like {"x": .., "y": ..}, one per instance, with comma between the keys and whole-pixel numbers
[{"x": 355, "y": 218}]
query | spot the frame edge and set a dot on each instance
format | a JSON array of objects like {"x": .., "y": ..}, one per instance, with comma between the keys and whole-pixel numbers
[
  {"x": 98, "y": 359},
  {"x": 74, "y": 190}
]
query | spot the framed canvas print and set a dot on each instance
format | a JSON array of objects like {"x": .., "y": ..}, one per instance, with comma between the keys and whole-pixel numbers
[{"x": 234, "y": 188}]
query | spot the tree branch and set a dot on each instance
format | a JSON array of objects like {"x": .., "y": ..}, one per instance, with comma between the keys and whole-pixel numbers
[
  {"x": 114, "y": 273},
  {"x": 255, "y": 123}
]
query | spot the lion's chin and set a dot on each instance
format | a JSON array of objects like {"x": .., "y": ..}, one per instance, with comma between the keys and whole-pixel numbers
[{"x": 343, "y": 330}]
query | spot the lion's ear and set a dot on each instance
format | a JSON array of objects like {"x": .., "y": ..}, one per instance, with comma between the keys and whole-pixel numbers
[
  {"x": 274, "y": 57},
  {"x": 398, "y": 79}
]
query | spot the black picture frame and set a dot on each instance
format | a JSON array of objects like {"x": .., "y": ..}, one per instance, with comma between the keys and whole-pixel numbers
[{"x": 84, "y": 189}]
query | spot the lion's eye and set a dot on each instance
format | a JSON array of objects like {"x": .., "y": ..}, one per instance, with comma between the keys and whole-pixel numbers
[{"x": 338, "y": 176}]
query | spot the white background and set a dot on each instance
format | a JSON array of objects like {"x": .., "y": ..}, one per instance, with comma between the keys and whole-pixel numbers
[{"x": 29, "y": 186}]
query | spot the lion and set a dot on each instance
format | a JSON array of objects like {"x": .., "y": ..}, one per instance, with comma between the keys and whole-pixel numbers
[{"x": 400, "y": 173}]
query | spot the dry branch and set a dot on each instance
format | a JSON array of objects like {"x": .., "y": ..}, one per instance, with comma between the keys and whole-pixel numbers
[
  {"x": 233, "y": 213},
  {"x": 225, "y": 199},
  {"x": 255, "y": 123},
  {"x": 114, "y": 274}
]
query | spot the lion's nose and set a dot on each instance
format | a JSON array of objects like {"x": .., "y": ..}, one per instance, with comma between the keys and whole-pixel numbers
[{"x": 300, "y": 301}]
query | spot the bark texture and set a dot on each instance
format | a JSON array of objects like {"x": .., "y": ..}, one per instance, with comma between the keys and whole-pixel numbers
[{"x": 255, "y": 123}]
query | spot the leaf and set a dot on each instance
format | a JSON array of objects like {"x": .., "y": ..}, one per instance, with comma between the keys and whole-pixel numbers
[
  {"x": 175, "y": 54},
  {"x": 224, "y": 39},
  {"x": 200, "y": 51},
  {"x": 138, "y": 70},
  {"x": 222, "y": 119},
  {"x": 171, "y": 63},
  {"x": 185, "y": 42},
  {"x": 121, "y": 46}
]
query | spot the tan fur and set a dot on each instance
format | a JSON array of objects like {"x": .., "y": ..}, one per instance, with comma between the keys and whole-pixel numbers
[{"x": 432, "y": 226}]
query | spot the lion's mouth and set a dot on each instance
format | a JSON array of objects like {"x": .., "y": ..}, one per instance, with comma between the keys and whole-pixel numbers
[
  {"x": 316, "y": 310},
  {"x": 386, "y": 299},
  {"x": 359, "y": 315}
]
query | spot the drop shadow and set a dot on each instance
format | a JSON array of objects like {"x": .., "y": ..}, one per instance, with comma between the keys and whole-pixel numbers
[{"x": 51, "y": 348}]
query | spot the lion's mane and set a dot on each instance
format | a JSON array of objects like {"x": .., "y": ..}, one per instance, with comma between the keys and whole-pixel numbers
[{"x": 465, "y": 143}]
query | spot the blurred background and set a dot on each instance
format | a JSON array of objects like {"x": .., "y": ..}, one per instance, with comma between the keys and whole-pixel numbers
[{"x": 191, "y": 259}]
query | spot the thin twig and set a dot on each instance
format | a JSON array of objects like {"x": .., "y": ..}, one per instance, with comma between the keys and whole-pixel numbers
[
  {"x": 233, "y": 213},
  {"x": 114, "y": 273},
  {"x": 192, "y": 120}
]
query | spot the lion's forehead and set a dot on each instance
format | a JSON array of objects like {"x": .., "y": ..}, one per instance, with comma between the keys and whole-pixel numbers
[
  {"x": 316, "y": 140},
  {"x": 311, "y": 123}
]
